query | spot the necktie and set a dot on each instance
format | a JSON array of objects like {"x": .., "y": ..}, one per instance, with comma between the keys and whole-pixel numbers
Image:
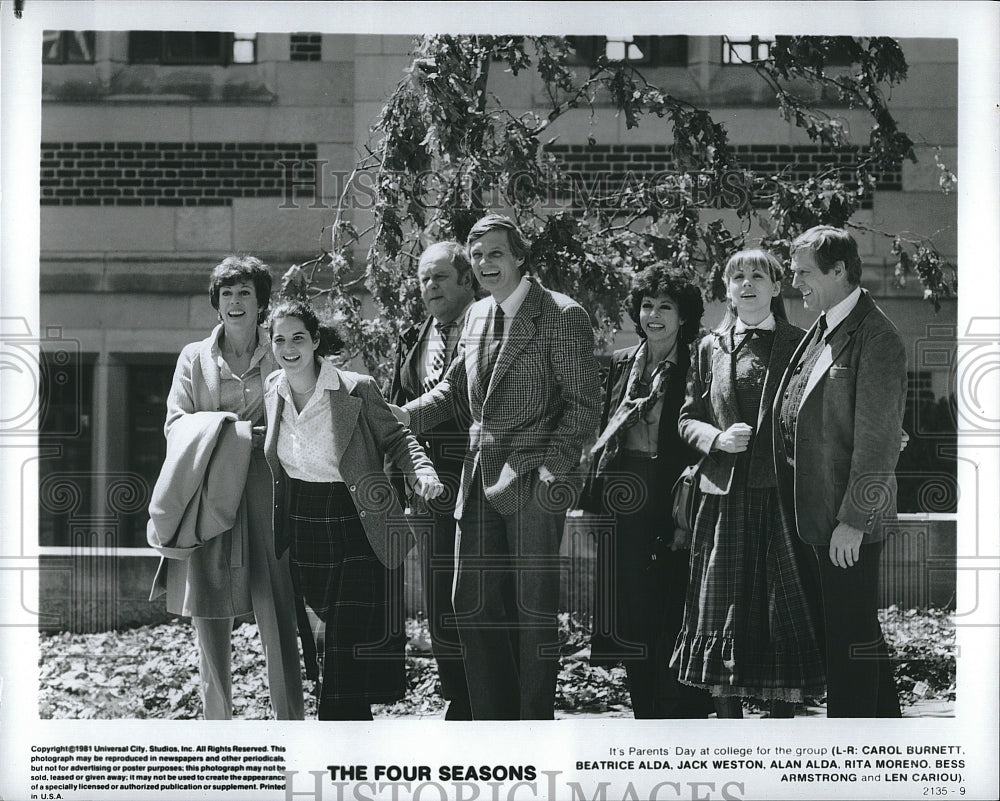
[
  {"x": 820, "y": 329},
  {"x": 747, "y": 334},
  {"x": 816, "y": 344},
  {"x": 491, "y": 344},
  {"x": 438, "y": 352}
]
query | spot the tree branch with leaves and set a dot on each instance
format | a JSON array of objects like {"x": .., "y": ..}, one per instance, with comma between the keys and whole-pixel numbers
[{"x": 445, "y": 150}]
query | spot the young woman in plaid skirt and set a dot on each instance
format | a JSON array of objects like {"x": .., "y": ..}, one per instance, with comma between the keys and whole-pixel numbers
[
  {"x": 329, "y": 433},
  {"x": 748, "y": 629}
]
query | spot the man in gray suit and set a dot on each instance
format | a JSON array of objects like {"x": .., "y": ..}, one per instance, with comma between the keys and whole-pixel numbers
[
  {"x": 527, "y": 382},
  {"x": 837, "y": 420}
]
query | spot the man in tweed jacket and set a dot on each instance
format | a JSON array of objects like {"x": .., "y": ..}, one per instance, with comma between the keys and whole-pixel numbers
[{"x": 528, "y": 388}]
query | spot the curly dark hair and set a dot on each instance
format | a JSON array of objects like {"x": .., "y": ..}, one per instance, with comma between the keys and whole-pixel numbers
[
  {"x": 659, "y": 279},
  {"x": 330, "y": 341},
  {"x": 241, "y": 268}
]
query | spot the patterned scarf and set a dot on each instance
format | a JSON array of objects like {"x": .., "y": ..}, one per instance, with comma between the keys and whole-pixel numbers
[{"x": 632, "y": 407}]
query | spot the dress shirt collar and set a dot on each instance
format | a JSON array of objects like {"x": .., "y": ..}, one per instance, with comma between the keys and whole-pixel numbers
[
  {"x": 328, "y": 379},
  {"x": 459, "y": 321},
  {"x": 836, "y": 315},
  {"x": 642, "y": 354},
  {"x": 514, "y": 300},
  {"x": 767, "y": 324}
]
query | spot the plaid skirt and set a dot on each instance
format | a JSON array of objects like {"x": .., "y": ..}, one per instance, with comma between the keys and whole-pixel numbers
[
  {"x": 747, "y": 627},
  {"x": 354, "y": 602}
]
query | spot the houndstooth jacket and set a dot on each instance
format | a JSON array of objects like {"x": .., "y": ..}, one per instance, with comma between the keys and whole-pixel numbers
[{"x": 542, "y": 402}]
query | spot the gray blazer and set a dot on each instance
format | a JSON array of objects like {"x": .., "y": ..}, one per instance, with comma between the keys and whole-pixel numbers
[
  {"x": 541, "y": 404},
  {"x": 848, "y": 429},
  {"x": 365, "y": 432}
]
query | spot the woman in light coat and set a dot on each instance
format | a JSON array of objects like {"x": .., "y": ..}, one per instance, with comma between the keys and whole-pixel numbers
[{"x": 230, "y": 577}]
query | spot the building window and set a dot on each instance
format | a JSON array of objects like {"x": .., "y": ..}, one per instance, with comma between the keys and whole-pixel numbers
[
  {"x": 305, "y": 47},
  {"x": 148, "y": 386},
  {"x": 655, "y": 51},
  {"x": 743, "y": 50},
  {"x": 625, "y": 48},
  {"x": 68, "y": 47},
  {"x": 838, "y": 51},
  {"x": 65, "y": 442},
  {"x": 244, "y": 48},
  {"x": 191, "y": 47}
]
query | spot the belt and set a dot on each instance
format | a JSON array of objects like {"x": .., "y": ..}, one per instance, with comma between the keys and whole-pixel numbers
[{"x": 637, "y": 454}]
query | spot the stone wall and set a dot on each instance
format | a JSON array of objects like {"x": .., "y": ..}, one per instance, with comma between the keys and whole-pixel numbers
[{"x": 91, "y": 591}]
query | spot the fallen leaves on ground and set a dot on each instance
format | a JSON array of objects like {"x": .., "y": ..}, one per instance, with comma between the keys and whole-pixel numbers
[{"x": 152, "y": 671}]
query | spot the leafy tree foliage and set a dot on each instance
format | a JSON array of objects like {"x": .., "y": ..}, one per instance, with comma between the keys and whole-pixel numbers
[{"x": 446, "y": 149}]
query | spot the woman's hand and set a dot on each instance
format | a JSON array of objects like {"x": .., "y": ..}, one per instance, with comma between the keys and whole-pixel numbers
[
  {"x": 734, "y": 439},
  {"x": 428, "y": 488}
]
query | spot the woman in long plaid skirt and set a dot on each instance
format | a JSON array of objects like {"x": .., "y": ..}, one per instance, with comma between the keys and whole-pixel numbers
[
  {"x": 329, "y": 433},
  {"x": 748, "y": 628}
]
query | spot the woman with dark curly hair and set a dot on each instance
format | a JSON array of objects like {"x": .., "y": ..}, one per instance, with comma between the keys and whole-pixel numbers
[
  {"x": 747, "y": 624},
  {"x": 329, "y": 434},
  {"x": 642, "y": 568}
]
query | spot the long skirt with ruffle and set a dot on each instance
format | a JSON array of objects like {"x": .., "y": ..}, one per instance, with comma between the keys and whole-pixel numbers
[{"x": 747, "y": 627}]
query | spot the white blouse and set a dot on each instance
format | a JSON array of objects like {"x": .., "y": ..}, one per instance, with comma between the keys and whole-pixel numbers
[{"x": 305, "y": 439}]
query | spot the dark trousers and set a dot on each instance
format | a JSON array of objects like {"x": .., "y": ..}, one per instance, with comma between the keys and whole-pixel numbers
[
  {"x": 649, "y": 587},
  {"x": 506, "y": 600},
  {"x": 652, "y": 684},
  {"x": 436, "y": 543},
  {"x": 859, "y": 675}
]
